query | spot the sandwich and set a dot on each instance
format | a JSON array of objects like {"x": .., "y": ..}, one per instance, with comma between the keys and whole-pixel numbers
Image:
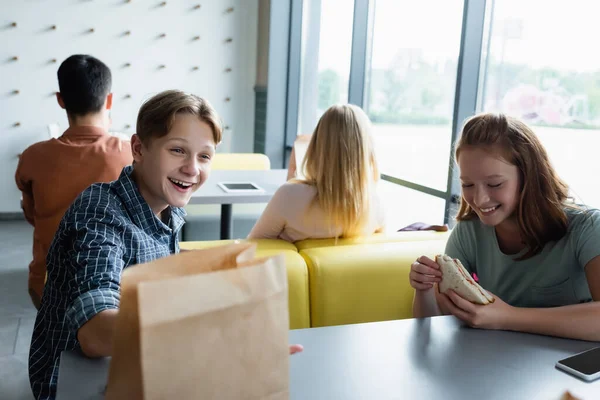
[{"x": 456, "y": 277}]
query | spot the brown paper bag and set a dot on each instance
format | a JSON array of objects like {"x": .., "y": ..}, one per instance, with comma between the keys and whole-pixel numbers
[{"x": 205, "y": 324}]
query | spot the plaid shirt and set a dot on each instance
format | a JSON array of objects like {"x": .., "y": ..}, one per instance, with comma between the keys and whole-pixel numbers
[{"x": 107, "y": 228}]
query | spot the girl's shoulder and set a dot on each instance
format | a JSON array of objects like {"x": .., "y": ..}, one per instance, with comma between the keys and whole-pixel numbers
[
  {"x": 582, "y": 218},
  {"x": 296, "y": 189},
  {"x": 297, "y": 185}
]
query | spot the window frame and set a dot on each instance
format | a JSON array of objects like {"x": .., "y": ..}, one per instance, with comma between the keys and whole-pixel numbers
[{"x": 284, "y": 94}]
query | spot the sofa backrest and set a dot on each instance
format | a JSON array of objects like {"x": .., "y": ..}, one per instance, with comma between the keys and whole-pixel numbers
[
  {"x": 363, "y": 283},
  {"x": 376, "y": 238},
  {"x": 351, "y": 281}
]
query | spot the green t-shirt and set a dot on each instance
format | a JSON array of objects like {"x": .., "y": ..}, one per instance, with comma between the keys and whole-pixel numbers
[{"x": 554, "y": 277}]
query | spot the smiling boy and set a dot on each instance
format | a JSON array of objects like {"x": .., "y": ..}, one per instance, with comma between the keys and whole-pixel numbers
[{"x": 112, "y": 226}]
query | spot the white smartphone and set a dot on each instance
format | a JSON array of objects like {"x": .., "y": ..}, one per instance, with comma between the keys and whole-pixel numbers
[
  {"x": 584, "y": 365},
  {"x": 237, "y": 187}
]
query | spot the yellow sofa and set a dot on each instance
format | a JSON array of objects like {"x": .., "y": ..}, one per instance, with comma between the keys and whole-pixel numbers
[
  {"x": 363, "y": 283},
  {"x": 415, "y": 236},
  {"x": 349, "y": 280},
  {"x": 296, "y": 270}
]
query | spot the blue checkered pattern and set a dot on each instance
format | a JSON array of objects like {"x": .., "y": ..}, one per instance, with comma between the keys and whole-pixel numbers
[{"x": 107, "y": 228}]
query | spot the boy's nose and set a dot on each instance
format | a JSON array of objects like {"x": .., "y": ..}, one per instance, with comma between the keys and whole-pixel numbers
[{"x": 191, "y": 167}]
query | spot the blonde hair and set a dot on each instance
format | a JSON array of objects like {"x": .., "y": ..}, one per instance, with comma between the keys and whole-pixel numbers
[
  {"x": 543, "y": 198},
  {"x": 156, "y": 115},
  {"x": 340, "y": 163}
]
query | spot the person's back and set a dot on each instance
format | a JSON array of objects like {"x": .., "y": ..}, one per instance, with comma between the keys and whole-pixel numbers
[
  {"x": 337, "y": 197},
  {"x": 52, "y": 173},
  {"x": 294, "y": 215}
]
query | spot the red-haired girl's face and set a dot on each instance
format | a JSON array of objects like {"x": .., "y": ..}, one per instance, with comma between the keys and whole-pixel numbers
[{"x": 490, "y": 184}]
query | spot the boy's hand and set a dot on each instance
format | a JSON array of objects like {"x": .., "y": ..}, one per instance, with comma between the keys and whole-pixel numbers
[{"x": 296, "y": 348}]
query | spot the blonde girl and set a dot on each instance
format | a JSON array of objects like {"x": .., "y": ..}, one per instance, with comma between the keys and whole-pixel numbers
[{"x": 337, "y": 197}]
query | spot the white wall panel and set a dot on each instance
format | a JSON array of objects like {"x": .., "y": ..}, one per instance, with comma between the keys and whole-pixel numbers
[{"x": 173, "y": 61}]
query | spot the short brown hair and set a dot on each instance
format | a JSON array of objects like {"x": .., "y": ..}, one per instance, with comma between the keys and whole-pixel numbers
[
  {"x": 544, "y": 196},
  {"x": 156, "y": 115}
]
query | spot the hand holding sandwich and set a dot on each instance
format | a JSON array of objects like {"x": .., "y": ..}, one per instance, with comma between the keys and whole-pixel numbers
[
  {"x": 490, "y": 316},
  {"x": 455, "y": 293},
  {"x": 424, "y": 273},
  {"x": 460, "y": 295}
]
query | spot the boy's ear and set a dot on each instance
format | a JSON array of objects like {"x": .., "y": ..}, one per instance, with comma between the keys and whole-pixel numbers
[
  {"x": 109, "y": 99},
  {"x": 137, "y": 148},
  {"x": 60, "y": 101}
]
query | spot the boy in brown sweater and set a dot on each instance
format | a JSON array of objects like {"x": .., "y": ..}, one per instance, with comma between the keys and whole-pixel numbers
[{"x": 52, "y": 173}]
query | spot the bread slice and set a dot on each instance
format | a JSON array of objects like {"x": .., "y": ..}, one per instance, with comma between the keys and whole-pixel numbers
[{"x": 456, "y": 277}]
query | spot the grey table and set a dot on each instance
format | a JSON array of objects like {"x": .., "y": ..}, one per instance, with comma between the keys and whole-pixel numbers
[
  {"x": 211, "y": 193},
  {"x": 431, "y": 358}
]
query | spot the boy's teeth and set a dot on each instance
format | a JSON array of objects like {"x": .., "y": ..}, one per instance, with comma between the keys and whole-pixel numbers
[{"x": 180, "y": 182}]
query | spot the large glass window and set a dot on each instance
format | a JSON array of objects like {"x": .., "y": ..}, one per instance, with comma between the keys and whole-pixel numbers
[
  {"x": 411, "y": 87},
  {"x": 326, "y": 53},
  {"x": 540, "y": 65},
  {"x": 403, "y": 206}
]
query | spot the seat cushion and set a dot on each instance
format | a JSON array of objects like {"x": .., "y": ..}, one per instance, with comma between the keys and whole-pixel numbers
[
  {"x": 375, "y": 238},
  {"x": 363, "y": 283}
]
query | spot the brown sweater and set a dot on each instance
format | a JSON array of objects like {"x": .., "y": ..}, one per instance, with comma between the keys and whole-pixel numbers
[{"x": 52, "y": 173}]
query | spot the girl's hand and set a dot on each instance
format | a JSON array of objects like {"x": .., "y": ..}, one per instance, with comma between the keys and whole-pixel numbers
[
  {"x": 490, "y": 316},
  {"x": 424, "y": 273}
]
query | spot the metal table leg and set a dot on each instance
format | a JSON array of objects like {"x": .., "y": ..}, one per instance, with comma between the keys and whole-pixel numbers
[{"x": 226, "y": 221}]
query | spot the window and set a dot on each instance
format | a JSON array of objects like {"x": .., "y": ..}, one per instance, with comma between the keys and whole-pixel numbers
[
  {"x": 326, "y": 52},
  {"x": 410, "y": 90},
  {"x": 413, "y": 206},
  {"x": 547, "y": 73},
  {"x": 411, "y": 87}
]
